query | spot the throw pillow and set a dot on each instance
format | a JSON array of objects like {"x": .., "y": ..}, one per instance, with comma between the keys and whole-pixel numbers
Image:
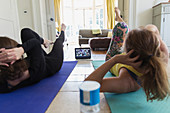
[
  {"x": 96, "y": 31},
  {"x": 109, "y": 34}
]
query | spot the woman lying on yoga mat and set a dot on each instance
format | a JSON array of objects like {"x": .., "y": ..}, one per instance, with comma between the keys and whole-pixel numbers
[
  {"x": 142, "y": 65},
  {"x": 16, "y": 72}
]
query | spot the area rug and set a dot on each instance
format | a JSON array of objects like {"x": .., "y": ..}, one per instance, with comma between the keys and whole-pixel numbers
[
  {"x": 36, "y": 98},
  {"x": 134, "y": 102}
]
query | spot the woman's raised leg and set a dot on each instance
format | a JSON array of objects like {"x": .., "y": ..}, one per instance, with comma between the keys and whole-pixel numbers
[
  {"x": 119, "y": 34},
  {"x": 56, "y": 56},
  {"x": 117, "y": 41}
]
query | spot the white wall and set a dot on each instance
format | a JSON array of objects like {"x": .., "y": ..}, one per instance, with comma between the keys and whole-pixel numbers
[
  {"x": 43, "y": 18},
  {"x": 29, "y": 15},
  {"x": 9, "y": 24},
  {"x": 37, "y": 16},
  {"x": 25, "y": 13},
  {"x": 140, "y": 12},
  {"x": 18, "y": 14},
  {"x": 144, "y": 12}
]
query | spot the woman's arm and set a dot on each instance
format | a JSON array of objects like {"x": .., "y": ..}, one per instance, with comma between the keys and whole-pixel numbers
[
  {"x": 100, "y": 72},
  {"x": 122, "y": 84},
  {"x": 163, "y": 46},
  {"x": 10, "y": 55},
  {"x": 117, "y": 41},
  {"x": 3, "y": 60},
  {"x": 164, "y": 49}
]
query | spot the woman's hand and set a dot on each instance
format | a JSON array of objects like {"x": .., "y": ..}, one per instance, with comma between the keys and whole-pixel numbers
[
  {"x": 3, "y": 57},
  {"x": 125, "y": 59},
  {"x": 10, "y": 55},
  {"x": 47, "y": 43}
]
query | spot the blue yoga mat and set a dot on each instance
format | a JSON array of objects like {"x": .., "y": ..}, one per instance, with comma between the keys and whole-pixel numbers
[
  {"x": 36, "y": 98},
  {"x": 134, "y": 102}
]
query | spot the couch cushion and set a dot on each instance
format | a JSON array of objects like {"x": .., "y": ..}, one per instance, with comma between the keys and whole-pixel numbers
[
  {"x": 99, "y": 42},
  {"x": 104, "y": 32},
  {"x": 84, "y": 38},
  {"x": 96, "y": 31},
  {"x": 83, "y": 41},
  {"x": 86, "y": 33}
]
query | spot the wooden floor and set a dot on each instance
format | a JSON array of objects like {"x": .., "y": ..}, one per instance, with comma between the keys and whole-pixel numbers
[{"x": 67, "y": 100}]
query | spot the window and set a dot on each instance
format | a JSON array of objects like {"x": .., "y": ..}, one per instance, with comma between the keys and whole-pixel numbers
[
  {"x": 99, "y": 12},
  {"x": 83, "y": 14}
]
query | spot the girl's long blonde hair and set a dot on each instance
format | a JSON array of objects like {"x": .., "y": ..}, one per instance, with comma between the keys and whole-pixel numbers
[{"x": 154, "y": 80}]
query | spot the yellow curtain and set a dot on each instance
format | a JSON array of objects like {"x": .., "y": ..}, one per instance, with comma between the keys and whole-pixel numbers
[
  {"x": 110, "y": 14},
  {"x": 57, "y": 13}
]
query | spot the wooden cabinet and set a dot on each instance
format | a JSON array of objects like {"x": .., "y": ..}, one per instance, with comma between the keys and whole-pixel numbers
[{"x": 161, "y": 18}]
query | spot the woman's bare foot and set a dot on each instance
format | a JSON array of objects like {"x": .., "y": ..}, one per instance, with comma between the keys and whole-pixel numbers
[
  {"x": 63, "y": 27},
  {"x": 47, "y": 43},
  {"x": 118, "y": 17}
]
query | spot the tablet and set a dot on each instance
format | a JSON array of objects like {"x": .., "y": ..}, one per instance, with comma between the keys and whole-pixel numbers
[{"x": 82, "y": 53}]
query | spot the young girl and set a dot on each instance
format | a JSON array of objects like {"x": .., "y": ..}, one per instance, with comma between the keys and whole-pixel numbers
[
  {"x": 16, "y": 72},
  {"x": 142, "y": 66}
]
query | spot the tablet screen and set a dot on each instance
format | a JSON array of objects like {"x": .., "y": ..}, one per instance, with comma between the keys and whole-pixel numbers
[{"x": 82, "y": 53}]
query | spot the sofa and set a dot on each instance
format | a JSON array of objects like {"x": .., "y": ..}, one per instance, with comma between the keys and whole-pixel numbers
[{"x": 100, "y": 40}]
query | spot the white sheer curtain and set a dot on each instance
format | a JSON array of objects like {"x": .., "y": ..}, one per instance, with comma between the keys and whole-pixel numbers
[{"x": 82, "y": 14}]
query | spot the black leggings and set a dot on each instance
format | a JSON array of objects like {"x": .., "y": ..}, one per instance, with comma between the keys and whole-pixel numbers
[{"x": 39, "y": 60}]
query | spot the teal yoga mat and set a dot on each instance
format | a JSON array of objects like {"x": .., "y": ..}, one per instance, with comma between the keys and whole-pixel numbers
[{"x": 134, "y": 102}]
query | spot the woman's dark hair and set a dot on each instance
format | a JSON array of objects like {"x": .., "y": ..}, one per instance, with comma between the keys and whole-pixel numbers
[
  {"x": 15, "y": 70},
  {"x": 154, "y": 80}
]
